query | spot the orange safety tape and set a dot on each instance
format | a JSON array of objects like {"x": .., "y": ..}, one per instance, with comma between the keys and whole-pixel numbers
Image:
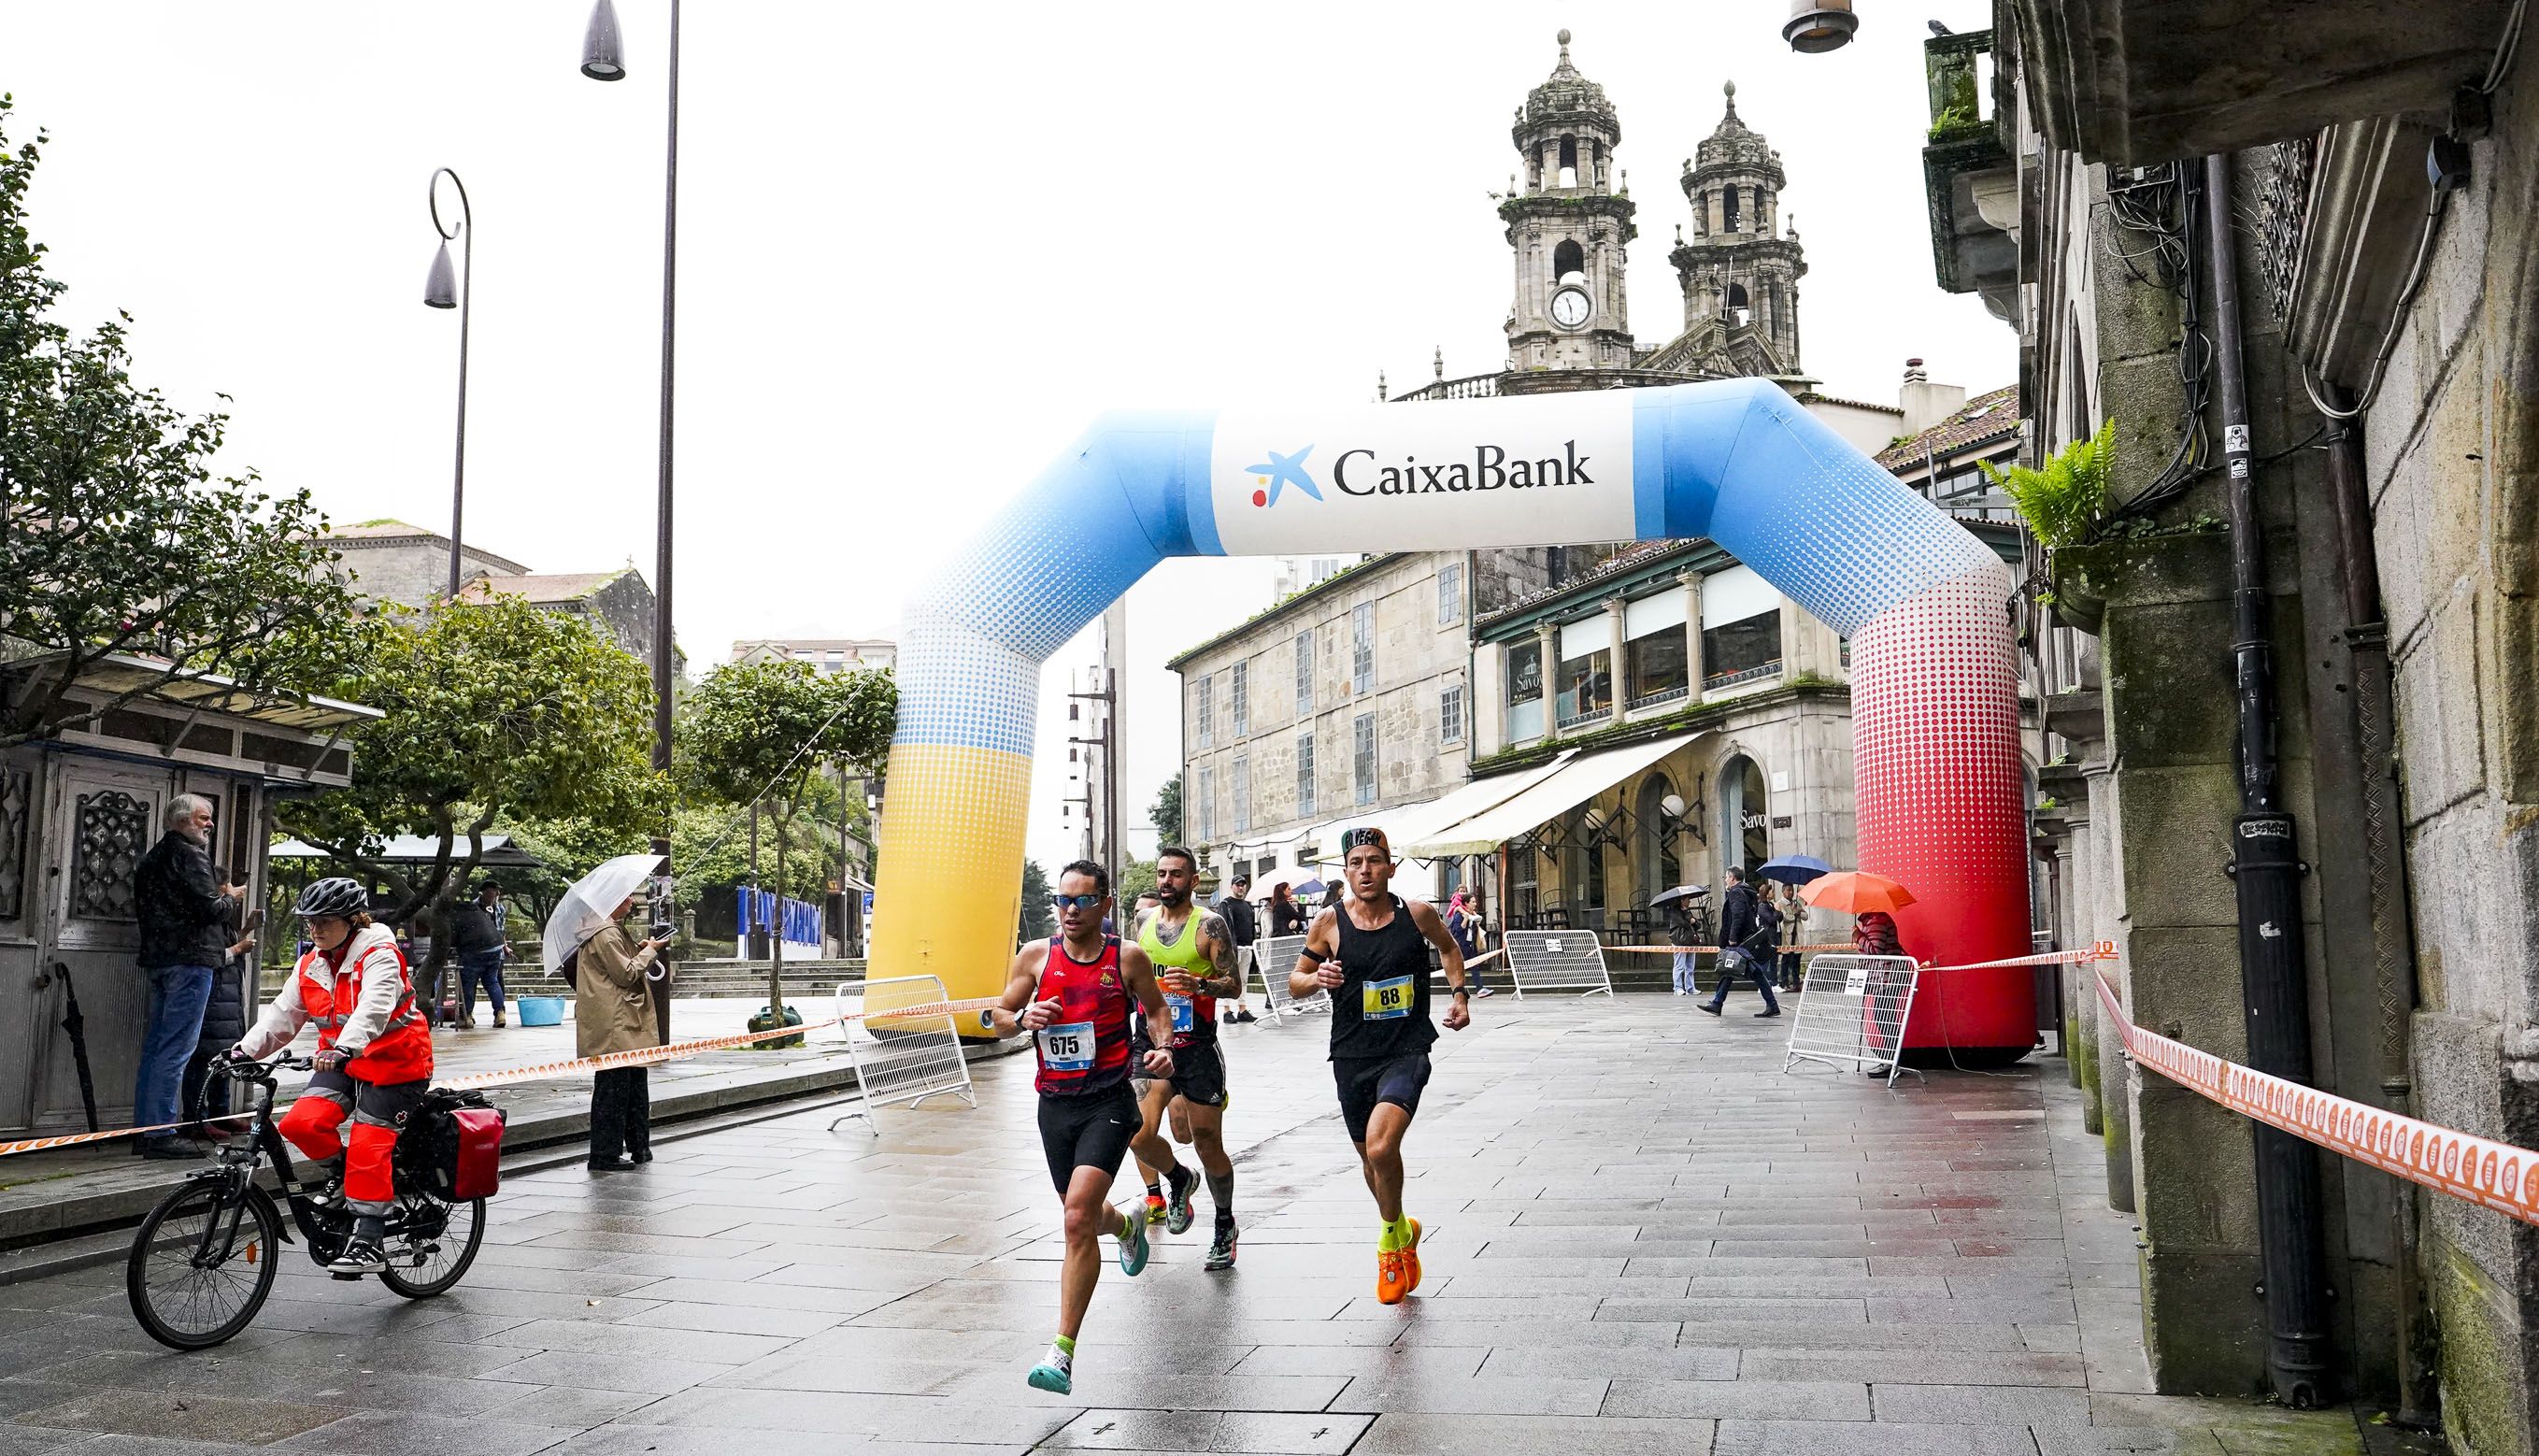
[
  {"x": 1715, "y": 949},
  {"x": 2480, "y": 1170},
  {"x": 643, "y": 1058}
]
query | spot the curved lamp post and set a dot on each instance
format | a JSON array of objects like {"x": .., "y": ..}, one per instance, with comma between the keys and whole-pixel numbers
[
  {"x": 440, "y": 289},
  {"x": 603, "y": 58}
]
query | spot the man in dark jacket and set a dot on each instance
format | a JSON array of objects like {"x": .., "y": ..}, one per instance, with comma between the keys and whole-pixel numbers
[
  {"x": 185, "y": 914},
  {"x": 224, "y": 1022},
  {"x": 476, "y": 939},
  {"x": 1246, "y": 926},
  {"x": 1739, "y": 920}
]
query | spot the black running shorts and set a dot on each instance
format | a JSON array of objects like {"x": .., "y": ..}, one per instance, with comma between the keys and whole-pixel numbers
[
  {"x": 1087, "y": 1132},
  {"x": 1367, "y": 1080},
  {"x": 1198, "y": 1075}
]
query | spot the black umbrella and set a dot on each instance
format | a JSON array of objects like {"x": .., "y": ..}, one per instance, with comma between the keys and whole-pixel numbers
[
  {"x": 77, "y": 1026},
  {"x": 1796, "y": 868}
]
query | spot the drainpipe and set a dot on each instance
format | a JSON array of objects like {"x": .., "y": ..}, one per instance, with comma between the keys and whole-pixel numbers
[
  {"x": 2393, "y": 962},
  {"x": 2267, "y": 869}
]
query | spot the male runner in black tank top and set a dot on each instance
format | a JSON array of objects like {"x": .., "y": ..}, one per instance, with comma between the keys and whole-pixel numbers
[{"x": 1371, "y": 953}]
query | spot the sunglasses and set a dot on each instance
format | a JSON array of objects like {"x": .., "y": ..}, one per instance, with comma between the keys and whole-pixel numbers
[{"x": 1076, "y": 902}]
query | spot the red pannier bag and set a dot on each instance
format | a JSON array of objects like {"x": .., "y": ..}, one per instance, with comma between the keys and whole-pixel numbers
[{"x": 453, "y": 1147}]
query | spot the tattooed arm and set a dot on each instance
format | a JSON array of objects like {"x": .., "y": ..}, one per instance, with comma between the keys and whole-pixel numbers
[{"x": 1216, "y": 943}]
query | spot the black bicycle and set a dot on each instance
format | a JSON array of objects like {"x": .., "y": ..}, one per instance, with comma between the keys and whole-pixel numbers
[{"x": 203, "y": 1262}]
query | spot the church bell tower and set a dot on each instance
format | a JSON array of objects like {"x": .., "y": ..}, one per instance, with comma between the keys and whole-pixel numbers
[
  {"x": 1568, "y": 226},
  {"x": 1741, "y": 265}
]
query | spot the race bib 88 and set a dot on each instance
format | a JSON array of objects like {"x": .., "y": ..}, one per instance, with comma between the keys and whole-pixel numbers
[
  {"x": 1067, "y": 1048},
  {"x": 1385, "y": 1001}
]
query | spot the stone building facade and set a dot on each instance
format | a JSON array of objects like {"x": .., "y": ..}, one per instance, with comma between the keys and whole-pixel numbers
[
  {"x": 393, "y": 560},
  {"x": 2383, "y": 172}
]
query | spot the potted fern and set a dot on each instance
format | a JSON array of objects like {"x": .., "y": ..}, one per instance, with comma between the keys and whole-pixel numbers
[{"x": 2063, "y": 501}]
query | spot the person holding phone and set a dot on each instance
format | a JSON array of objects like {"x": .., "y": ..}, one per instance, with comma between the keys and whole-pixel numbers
[{"x": 612, "y": 1008}]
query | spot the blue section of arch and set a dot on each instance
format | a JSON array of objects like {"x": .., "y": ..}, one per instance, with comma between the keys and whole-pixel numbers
[{"x": 1738, "y": 460}]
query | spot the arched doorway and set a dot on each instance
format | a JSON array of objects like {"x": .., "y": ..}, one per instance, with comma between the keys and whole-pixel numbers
[{"x": 1745, "y": 816}]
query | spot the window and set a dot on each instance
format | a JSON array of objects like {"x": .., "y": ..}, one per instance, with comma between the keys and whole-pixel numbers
[
  {"x": 1242, "y": 699},
  {"x": 1659, "y": 670},
  {"x": 1728, "y": 208},
  {"x": 1304, "y": 773},
  {"x": 1586, "y": 678},
  {"x": 1450, "y": 593},
  {"x": 1363, "y": 767},
  {"x": 1304, "y": 673},
  {"x": 1741, "y": 651},
  {"x": 1524, "y": 691},
  {"x": 1568, "y": 261},
  {"x": 1363, "y": 648},
  {"x": 1203, "y": 709},
  {"x": 1205, "y": 816},
  {"x": 1450, "y": 714},
  {"x": 1242, "y": 788}
]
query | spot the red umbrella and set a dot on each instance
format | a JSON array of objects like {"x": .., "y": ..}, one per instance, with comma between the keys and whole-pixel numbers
[{"x": 1855, "y": 892}]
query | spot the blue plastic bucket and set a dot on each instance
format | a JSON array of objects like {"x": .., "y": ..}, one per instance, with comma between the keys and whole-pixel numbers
[{"x": 542, "y": 1010}]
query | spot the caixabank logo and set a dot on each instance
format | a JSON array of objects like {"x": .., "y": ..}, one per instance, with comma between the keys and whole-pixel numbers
[{"x": 1362, "y": 472}]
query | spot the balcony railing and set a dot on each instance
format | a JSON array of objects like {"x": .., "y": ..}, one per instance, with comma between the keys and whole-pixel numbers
[
  {"x": 1757, "y": 673},
  {"x": 1662, "y": 696},
  {"x": 1474, "y": 386},
  {"x": 1593, "y": 715}
]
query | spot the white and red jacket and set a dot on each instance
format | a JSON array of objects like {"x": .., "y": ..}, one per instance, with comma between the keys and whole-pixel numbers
[{"x": 363, "y": 1002}]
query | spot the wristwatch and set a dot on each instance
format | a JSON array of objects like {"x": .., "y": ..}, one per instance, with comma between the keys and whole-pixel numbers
[{"x": 1460, "y": 990}]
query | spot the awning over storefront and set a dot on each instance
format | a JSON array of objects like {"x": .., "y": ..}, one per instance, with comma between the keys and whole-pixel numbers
[
  {"x": 1568, "y": 786},
  {"x": 1419, "y": 822}
]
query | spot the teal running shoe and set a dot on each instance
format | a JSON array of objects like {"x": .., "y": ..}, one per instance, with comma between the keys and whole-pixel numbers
[{"x": 1134, "y": 1246}]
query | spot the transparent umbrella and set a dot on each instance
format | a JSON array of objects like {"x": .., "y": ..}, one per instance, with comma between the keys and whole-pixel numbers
[{"x": 591, "y": 906}]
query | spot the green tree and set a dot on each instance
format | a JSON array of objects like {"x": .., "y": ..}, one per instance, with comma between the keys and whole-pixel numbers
[
  {"x": 1136, "y": 877},
  {"x": 1166, "y": 811},
  {"x": 1039, "y": 920},
  {"x": 495, "y": 709},
  {"x": 115, "y": 537},
  {"x": 759, "y": 732}
]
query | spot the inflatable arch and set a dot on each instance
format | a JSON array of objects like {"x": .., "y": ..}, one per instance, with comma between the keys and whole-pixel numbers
[{"x": 1937, "y": 780}]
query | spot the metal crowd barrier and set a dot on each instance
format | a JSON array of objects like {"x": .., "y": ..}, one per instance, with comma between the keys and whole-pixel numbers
[
  {"x": 902, "y": 1058},
  {"x": 1851, "y": 1012},
  {"x": 1276, "y": 957},
  {"x": 1556, "y": 960}
]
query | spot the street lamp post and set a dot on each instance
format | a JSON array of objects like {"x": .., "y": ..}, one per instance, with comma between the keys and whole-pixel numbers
[
  {"x": 603, "y": 58},
  {"x": 441, "y": 290}
]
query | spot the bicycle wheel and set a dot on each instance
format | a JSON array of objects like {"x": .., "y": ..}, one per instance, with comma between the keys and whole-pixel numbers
[
  {"x": 451, "y": 1231},
  {"x": 184, "y": 1300}
]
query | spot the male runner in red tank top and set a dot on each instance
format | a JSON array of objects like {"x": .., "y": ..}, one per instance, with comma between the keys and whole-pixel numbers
[{"x": 1077, "y": 994}]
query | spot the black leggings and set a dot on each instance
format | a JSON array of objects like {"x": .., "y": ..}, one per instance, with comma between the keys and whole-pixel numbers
[{"x": 621, "y": 1113}]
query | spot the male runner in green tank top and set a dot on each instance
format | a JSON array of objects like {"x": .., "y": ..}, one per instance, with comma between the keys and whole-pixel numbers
[{"x": 1192, "y": 949}]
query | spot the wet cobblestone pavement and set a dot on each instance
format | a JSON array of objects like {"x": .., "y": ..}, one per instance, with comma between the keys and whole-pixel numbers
[{"x": 1641, "y": 1237}]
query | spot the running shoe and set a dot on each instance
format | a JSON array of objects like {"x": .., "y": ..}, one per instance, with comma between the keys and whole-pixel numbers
[
  {"x": 1411, "y": 1258},
  {"x": 1483, "y": 990},
  {"x": 1177, "y": 1206},
  {"x": 1155, "y": 1208},
  {"x": 1052, "y": 1378},
  {"x": 1392, "y": 1276},
  {"x": 1244, "y": 1014},
  {"x": 1221, "y": 1254},
  {"x": 1133, "y": 1248}
]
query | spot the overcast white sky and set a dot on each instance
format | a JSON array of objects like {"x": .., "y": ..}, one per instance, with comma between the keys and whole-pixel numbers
[{"x": 920, "y": 246}]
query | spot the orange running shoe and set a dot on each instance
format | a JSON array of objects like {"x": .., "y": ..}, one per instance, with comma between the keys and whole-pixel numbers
[
  {"x": 1155, "y": 1208},
  {"x": 1392, "y": 1276},
  {"x": 1410, "y": 1259}
]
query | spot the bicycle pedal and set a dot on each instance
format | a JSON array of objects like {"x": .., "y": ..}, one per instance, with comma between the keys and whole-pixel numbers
[{"x": 350, "y": 1279}]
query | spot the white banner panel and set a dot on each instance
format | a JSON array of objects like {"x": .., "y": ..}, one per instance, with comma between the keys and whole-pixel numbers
[
  {"x": 1734, "y": 594},
  {"x": 1660, "y": 614},
  {"x": 1593, "y": 634},
  {"x": 1449, "y": 475}
]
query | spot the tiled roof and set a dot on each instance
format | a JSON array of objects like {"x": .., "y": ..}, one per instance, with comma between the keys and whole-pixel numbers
[
  {"x": 562, "y": 586},
  {"x": 1814, "y": 396},
  {"x": 1984, "y": 417}
]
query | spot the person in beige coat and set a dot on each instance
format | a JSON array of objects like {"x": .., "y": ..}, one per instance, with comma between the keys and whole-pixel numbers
[{"x": 612, "y": 1011}]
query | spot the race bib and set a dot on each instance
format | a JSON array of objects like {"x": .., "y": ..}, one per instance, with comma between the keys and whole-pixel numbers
[
  {"x": 1067, "y": 1048},
  {"x": 1385, "y": 1001},
  {"x": 1182, "y": 1020}
]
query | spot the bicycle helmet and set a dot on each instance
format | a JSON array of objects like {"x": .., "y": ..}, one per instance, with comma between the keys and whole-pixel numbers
[{"x": 338, "y": 898}]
